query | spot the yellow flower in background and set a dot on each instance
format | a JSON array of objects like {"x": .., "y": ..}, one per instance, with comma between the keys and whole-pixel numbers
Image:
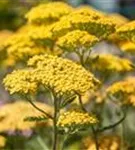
[
  {"x": 42, "y": 33},
  {"x": 72, "y": 121},
  {"x": 48, "y": 13},
  {"x": 62, "y": 75},
  {"x": 123, "y": 91},
  {"x": 127, "y": 46},
  {"x": 118, "y": 19},
  {"x": 77, "y": 39},
  {"x": 4, "y": 35},
  {"x": 89, "y": 11},
  {"x": 20, "y": 46},
  {"x": 101, "y": 27},
  {"x": 106, "y": 142},
  {"x": 108, "y": 62},
  {"x": 2, "y": 141},
  {"x": 19, "y": 81},
  {"x": 12, "y": 116},
  {"x": 127, "y": 31},
  {"x": 126, "y": 86}
]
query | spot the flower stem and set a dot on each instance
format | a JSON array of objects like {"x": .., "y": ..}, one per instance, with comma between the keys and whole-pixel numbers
[
  {"x": 49, "y": 116},
  {"x": 113, "y": 125},
  {"x": 95, "y": 137},
  {"x": 42, "y": 144},
  {"x": 55, "y": 137},
  {"x": 81, "y": 103}
]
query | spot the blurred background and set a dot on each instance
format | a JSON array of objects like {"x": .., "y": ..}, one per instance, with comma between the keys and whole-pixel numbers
[{"x": 12, "y": 11}]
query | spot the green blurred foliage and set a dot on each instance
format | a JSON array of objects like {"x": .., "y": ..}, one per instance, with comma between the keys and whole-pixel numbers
[{"x": 12, "y": 12}]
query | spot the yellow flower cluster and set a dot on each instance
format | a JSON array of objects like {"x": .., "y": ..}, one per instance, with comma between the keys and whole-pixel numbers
[
  {"x": 20, "y": 46},
  {"x": 127, "y": 46},
  {"x": 89, "y": 11},
  {"x": 106, "y": 142},
  {"x": 2, "y": 141},
  {"x": 72, "y": 120},
  {"x": 108, "y": 62},
  {"x": 118, "y": 19},
  {"x": 42, "y": 33},
  {"x": 126, "y": 89},
  {"x": 62, "y": 75},
  {"x": 127, "y": 31},
  {"x": 126, "y": 86},
  {"x": 4, "y": 35},
  {"x": 12, "y": 116},
  {"x": 77, "y": 39},
  {"x": 48, "y": 13},
  {"x": 19, "y": 81},
  {"x": 100, "y": 27}
]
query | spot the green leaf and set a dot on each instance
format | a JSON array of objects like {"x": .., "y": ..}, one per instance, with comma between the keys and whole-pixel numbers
[
  {"x": 34, "y": 118},
  {"x": 68, "y": 100}
]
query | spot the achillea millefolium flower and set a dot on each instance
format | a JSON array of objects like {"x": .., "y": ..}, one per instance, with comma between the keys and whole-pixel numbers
[
  {"x": 48, "y": 13},
  {"x": 108, "y": 62},
  {"x": 105, "y": 142},
  {"x": 13, "y": 115},
  {"x": 72, "y": 121},
  {"x": 22, "y": 46},
  {"x": 62, "y": 75},
  {"x": 127, "y": 31},
  {"x": 19, "y": 81},
  {"x": 127, "y": 46},
  {"x": 101, "y": 27},
  {"x": 2, "y": 141},
  {"x": 89, "y": 11},
  {"x": 77, "y": 39},
  {"x": 118, "y": 19},
  {"x": 123, "y": 91}
]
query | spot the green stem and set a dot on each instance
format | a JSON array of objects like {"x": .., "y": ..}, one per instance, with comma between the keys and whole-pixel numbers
[
  {"x": 55, "y": 137},
  {"x": 64, "y": 141},
  {"x": 95, "y": 137},
  {"x": 81, "y": 103},
  {"x": 42, "y": 144},
  {"x": 39, "y": 109},
  {"x": 112, "y": 125}
]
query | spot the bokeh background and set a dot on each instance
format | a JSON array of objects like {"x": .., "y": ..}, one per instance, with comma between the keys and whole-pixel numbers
[{"x": 12, "y": 11}]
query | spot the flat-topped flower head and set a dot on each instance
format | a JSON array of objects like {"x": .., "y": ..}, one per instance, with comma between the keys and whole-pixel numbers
[
  {"x": 21, "y": 46},
  {"x": 48, "y": 13},
  {"x": 108, "y": 62},
  {"x": 62, "y": 75},
  {"x": 123, "y": 91},
  {"x": 89, "y": 11},
  {"x": 127, "y": 46},
  {"x": 77, "y": 39},
  {"x": 127, "y": 31},
  {"x": 19, "y": 81},
  {"x": 118, "y": 19},
  {"x": 2, "y": 141},
  {"x": 14, "y": 114},
  {"x": 43, "y": 35},
  {"x": 105, "y": 142},
  {"x": 73, "y": 121},
  {"x": 4, "y": 35},
  {"x": 101, "y": 27},
  {"x": 126, "y": 86}
]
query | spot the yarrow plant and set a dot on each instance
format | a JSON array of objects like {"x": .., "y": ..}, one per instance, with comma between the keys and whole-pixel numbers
[{"x": 78, "y": 92}]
